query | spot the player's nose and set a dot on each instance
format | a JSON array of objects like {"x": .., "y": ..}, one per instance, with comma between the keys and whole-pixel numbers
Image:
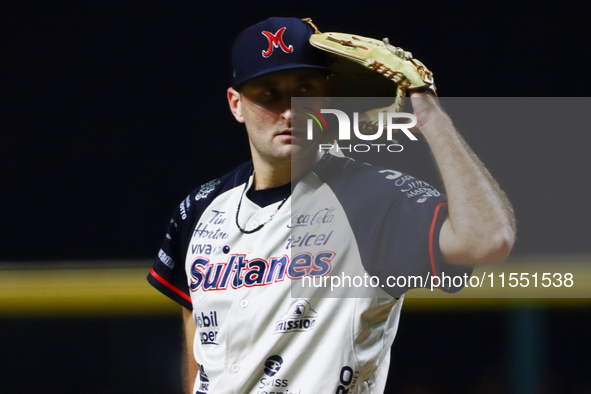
[{"x": 286, "y": 113}]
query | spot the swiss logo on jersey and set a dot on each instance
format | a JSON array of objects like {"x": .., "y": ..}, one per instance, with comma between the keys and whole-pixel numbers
[
  {"x": 276, "y": 41},
  {"x": 273, "y": 365}
]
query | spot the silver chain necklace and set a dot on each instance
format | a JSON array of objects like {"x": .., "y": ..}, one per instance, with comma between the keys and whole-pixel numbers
[{"x": 254, "y": 230}]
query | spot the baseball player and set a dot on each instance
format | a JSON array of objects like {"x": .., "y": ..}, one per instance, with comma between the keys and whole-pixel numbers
[{"x": 238, "y": 247}]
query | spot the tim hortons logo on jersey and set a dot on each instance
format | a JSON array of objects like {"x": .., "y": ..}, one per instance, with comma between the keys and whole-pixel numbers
[
  {"x": 345, "y": 129},
  {"x": 276, "y": 41},
  {"x": 239, "y": 272},
  {"x": 300, "y": 317},
  {"x": 204, "y": 231}
]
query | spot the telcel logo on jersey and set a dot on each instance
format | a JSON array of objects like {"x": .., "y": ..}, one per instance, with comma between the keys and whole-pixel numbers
[
  {"x": 209, "y": 321},
  {"x": 299, "y": 317},
  {"x": 345, "y": 130}
]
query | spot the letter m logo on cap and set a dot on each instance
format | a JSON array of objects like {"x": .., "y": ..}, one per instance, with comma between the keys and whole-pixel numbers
[{"x": 276, "y": 41}]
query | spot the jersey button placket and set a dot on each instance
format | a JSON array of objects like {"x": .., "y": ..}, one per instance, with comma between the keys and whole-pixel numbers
[
  {"x": 235, "y": 368},
  {"x": 244, "y": 303}
]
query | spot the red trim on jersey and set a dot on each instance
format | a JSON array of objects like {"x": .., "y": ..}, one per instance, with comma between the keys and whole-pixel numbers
[
  {"x": 167, "y": 284},
  {"x": 431, "y": 234}
]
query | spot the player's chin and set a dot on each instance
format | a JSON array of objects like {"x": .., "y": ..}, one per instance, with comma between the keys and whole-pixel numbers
[
  {"x": 280, "y": 152},
  {"x": 305, "y": 151}
]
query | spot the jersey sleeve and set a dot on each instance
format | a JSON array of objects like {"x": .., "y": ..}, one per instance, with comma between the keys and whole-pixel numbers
[
  {"x": 396, "y": 220},
  {"x": 168, "y": 271},
  {"x": 410, "y": 246}
]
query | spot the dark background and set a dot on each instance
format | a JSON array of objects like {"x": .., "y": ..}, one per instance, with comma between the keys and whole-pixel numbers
[{"x": 112, "y": 112}]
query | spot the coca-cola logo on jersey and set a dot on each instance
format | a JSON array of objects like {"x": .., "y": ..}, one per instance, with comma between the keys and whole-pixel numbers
[{"x": 323, "y": 216}]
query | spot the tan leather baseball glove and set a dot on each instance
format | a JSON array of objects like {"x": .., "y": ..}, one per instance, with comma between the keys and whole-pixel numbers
[{"x": 361, "y": 65}]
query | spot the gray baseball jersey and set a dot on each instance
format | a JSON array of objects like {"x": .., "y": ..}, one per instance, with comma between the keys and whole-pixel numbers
[{"x": 263, "y": 326}]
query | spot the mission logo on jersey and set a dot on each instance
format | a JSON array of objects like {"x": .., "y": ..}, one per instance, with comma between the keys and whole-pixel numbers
[{"x": 300, "y": 317}]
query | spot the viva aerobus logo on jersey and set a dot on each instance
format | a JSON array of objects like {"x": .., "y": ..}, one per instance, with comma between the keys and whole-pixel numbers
[{"x": 385, "y": 122}]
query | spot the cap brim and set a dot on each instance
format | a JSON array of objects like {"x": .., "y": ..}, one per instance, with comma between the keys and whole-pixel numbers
[{"x": 282, "y": 67}]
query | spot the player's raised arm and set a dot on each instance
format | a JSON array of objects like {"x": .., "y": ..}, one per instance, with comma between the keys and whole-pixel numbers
[{"x": 481, "y": 225}]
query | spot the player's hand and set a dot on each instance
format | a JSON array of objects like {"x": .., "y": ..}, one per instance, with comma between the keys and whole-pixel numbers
[{"x": 426, "y": 107}]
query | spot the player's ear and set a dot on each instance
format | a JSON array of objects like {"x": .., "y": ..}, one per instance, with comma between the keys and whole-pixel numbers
[{"x": 235, "y": 104}]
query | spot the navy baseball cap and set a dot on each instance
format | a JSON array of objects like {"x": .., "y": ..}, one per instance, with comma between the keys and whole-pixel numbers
[{"x": 275, "y": 44}]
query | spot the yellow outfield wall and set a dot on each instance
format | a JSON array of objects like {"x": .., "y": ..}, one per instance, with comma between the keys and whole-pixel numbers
[{"x": 107, "y": 288}]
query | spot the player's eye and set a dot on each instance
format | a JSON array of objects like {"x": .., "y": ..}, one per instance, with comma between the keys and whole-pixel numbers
[
  {"x": 271, "y": 94},
  {"x": 306, "y": 88}
]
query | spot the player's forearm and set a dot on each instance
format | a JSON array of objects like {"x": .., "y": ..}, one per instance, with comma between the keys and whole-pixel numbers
[
  {"x": 481, "y": 225},
  {"x": 189, "y": 365}
]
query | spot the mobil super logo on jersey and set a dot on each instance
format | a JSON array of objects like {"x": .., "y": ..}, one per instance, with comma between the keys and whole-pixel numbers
[{"x": 207, "y": 326}]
